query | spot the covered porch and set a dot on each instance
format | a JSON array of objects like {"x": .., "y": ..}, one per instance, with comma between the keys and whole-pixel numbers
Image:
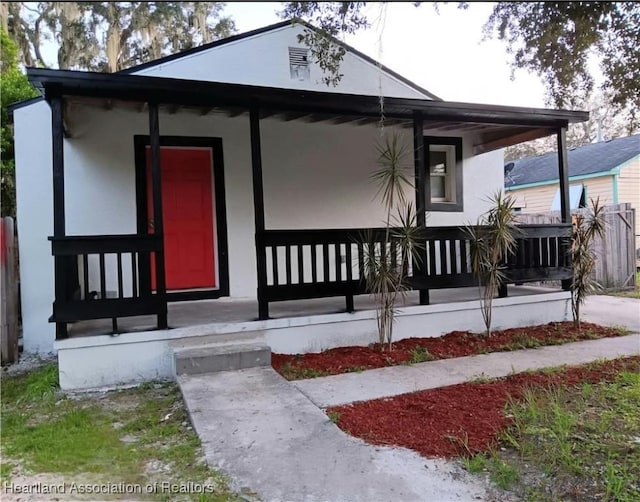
[
  {"x": 224, "y": 311},
  {"x": 104, "y": 359},
  {"x": 318, "y": 269}
]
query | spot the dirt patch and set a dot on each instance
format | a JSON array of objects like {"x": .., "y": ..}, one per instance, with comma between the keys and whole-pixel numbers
[
  {"x": 130, "y": 444},
  {"x": 415, "y": 350},
  {"x": 26, "y": 363},
  {"x": 461, "y": 419}
]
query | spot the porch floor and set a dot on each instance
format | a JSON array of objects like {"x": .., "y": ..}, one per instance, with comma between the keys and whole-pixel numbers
[{"x": 231, "y": 310}]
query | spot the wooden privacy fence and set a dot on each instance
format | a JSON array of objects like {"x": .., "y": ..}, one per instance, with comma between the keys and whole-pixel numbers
[
  {"x": 615, "y": 252},
  {"x": 8, "y": 292}
]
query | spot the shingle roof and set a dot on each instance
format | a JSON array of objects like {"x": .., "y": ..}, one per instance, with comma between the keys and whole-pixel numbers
[{"x": 584, "y": 160}]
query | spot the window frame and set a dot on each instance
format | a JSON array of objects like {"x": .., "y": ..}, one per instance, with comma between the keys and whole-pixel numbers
[{"x": 455, "y": 177}]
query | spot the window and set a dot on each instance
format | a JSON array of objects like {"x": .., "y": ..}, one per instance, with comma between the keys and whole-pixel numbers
[
  {"x": 577, "y": 197},
  {"x": 444, "y": 175},
  {"x": 299, "y": 63}
]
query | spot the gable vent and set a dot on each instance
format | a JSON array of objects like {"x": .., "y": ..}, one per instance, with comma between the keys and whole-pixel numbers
[{"x": 299, "y": 63}]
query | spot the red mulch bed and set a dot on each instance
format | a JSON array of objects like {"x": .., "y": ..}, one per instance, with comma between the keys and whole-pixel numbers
[
  {"x": 454, "y": 344},
  {"x": 428, "y": 421}
]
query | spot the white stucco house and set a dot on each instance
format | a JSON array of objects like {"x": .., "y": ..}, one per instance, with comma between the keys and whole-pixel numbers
[{"x": 222, "y": 190}]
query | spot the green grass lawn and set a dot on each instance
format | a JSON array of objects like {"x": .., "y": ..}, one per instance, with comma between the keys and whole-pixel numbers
[
  {"x": 571, "y": 443},
  {"x": 139, "y": 436}
]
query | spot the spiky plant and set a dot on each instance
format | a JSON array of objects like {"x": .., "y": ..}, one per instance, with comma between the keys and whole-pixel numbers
[
  {"x": 584, "y": 230},
  {"x": 493, "y": 239},
  {"x": 386, "y": 263}
]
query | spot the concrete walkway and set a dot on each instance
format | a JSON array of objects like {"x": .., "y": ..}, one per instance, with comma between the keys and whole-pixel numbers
[
  {"x": 384, "y": 382},
  {"x": 256, "y": 427},
  {"x": 268, "y": 435}
]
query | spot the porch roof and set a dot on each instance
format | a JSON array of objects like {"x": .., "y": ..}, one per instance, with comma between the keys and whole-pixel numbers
[{"x": 496, "y": 126}]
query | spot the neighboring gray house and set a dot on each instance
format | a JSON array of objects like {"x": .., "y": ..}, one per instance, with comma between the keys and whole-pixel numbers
[{"x": 609, "y": 170}]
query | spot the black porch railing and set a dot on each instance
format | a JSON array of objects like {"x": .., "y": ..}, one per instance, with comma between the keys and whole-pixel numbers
[
  {"x": 105, "y": 276},
  {"x": 109, "y": 276},
  {"x": 304, "y": 264}
]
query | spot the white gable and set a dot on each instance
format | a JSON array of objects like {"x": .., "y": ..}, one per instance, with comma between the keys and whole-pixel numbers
[{"x": 264, "y": 60}]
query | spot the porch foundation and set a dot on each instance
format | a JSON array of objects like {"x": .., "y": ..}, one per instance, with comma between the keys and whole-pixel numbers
[{"x": 106, "y": 361}]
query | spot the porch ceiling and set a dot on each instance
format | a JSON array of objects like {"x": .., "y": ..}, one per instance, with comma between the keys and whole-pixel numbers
[{"x": 494, "y": 126}]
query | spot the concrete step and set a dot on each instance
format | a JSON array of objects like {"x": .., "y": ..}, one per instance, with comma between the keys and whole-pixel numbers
[
  {"x": 214, "y": 358},
  {"x": 207, "y": 339}
]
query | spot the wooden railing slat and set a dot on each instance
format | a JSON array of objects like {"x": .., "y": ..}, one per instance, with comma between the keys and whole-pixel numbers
[
  {"x": 300, "y": 265},
  {"x": 287, "y": 264},
  {"x": 134, "y": 275},
  {"x": 314, "y": 264},
  {"x": 274, "y": 263},
  {"x": 85, "y": 276},
  {"x": 103, "y": 278},
  {"x": 120, "y": 282},
  {"x": 325, "y": 261}
]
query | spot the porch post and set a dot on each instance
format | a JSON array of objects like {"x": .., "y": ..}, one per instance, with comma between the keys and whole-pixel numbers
[
  {"x": 419, "y": 180},
  {"x": 565, "y": 203},
  {"x": 59, "y": 226},
  {"x": 158, "y": 226},
  {"x": 258, "y": 210}
]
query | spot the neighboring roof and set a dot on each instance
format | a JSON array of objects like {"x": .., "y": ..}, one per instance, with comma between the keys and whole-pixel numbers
[
  {"x": 586, "y": 160},
  {"x": 272, "y": 27}
]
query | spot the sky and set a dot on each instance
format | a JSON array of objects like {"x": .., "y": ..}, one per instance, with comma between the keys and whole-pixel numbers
[{"x": 444, "y": 53}]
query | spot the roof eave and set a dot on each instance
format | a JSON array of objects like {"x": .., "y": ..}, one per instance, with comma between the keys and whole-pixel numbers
[{"x": 179, "y": 91}]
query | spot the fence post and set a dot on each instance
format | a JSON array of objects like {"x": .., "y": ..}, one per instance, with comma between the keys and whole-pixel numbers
[{"x": 8, "y": 293}]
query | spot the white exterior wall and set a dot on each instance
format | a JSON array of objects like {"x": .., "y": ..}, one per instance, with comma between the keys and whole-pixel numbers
[
  {"x": 34, "y": 202},
  {"x": 264, "y": 60},
  {"x": 316, "y": 175}
]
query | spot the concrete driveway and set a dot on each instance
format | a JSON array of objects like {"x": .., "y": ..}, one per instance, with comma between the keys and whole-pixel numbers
[{"x": 612, "y": 311}]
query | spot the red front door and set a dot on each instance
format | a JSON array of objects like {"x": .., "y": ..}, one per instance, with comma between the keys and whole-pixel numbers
[{"x": 187, "y": 200}]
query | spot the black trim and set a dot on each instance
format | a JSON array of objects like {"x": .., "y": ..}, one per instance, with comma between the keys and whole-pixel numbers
[
  {"x": 156, "y": 184},
  {"x": 196, "y": 294},
  {"x": 81, "y": 310},
  {"x": 272, "y": 27},
  {"x": 258, "y": 209},
  {"x": 199, "y": 93},
  {"x": 204, "y": 47},
  {"x": 565, "y": 202},
  {"x": 21, "y": 104},
  {"x": 419, "y": 183},
  {"x": 458, "y": 205},
  {"x": 62, "y": 279},
  {"x": 140, "y": 143}
]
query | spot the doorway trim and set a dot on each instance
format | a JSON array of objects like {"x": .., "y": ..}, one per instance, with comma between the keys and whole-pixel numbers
[{"x": 220, "y": 217}]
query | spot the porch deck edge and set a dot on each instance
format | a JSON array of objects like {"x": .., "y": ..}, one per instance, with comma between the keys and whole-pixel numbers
[
  {"x": 106, "y": 361},
  {"x": 222, "y": 328}
]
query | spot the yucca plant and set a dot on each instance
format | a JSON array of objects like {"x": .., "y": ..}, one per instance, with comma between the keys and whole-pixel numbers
[
  {"x": 493, "y": 239},
  {"x": 585, "y": 228},
  {"x": 386, "y": 262}
]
